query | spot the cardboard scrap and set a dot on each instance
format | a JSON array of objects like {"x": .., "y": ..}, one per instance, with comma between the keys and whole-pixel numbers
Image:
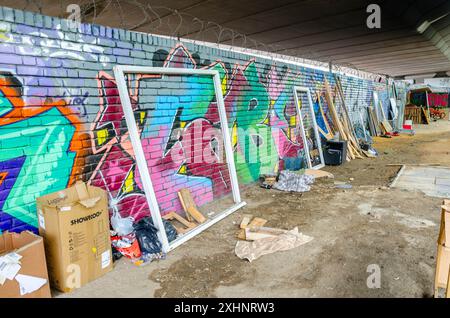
[
  {"x": 283, "y": 242},
  {"x": 319, "y": 173}
]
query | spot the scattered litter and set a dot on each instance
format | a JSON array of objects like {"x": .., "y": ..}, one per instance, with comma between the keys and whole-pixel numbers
[
  {"x": 126, "y": 245},
  {"x": 291, "y": 181},
  {"x": 283, "y": 242},
  {"x": 146, "y": 234}
]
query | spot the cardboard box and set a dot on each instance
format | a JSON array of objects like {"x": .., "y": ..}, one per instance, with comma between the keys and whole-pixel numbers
[
  {"x": 33, "y": 268},
  {"x": 75, "y": 225}
]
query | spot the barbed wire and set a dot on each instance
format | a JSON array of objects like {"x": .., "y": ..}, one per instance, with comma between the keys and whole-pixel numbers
[{"x": 181, "y": 25}]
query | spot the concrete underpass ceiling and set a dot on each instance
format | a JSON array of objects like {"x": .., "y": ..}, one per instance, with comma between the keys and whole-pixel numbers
[{"x": 325, "y": 30}]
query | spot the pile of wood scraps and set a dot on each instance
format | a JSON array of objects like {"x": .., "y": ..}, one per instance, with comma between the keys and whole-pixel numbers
[
  {"x": 342, "y": 124},
  {"x": 256, "y": 240},
  {"x": 248, "y": 222},
  {"x": 193, "y": 215}
]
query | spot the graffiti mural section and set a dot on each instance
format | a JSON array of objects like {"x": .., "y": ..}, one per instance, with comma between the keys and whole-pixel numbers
[
  {"x": 37, "y": 153},
  {"x": 61, "y": 117}
]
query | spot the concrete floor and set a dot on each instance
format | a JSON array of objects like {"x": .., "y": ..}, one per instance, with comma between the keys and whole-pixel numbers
[{"x": 354, "y": 228}]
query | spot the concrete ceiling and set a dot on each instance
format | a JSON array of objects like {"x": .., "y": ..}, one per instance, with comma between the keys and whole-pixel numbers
[{"x": 325, "y": 30}]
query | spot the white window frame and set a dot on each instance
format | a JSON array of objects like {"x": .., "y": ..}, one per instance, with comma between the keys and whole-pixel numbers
[
  {"x": 119, "y": 73},
  {"x": 316, "y": 131}
]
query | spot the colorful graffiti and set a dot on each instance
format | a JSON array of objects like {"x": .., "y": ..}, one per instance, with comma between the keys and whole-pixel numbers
[
  {"x": 39, "y": 150},
  {"x": 61, "y": 119},
  {"x": 260, "y": 116}
]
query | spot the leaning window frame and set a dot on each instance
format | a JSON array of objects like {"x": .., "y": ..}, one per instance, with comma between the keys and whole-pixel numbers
[
  {"x": 297, "y": 89},
  {"x": 119, "y": 73}
]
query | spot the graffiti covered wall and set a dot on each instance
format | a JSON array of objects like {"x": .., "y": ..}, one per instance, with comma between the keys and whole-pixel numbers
[{"x": 61, "y": 119}]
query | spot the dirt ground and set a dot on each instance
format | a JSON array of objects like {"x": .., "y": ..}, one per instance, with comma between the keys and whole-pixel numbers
[{"x": 352, "y": 229}]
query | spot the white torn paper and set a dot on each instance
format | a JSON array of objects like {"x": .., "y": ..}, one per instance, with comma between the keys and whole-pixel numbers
[
  {"x": 9, "y": 266},
  {"x": 29, "y": 284}
]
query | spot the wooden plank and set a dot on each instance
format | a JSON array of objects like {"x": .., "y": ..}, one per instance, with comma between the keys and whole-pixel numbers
[
  {"x": 335, "y": 117},
  {"x": 186, "y": 198},
  {"x": 349, "y": 124},
  {"x": 181, "y": 230},
  {"x": 189, "y": 205},
  {"x": 183, "y": 204},
  {"x": 427, "y": 119},
  {"x": 351, "y": 138},
  {"x": 324, "y": 134},
  {"x": 253, "y": 236},
  {"x": 442, "y": 276},
  {"x": 179, "y": 218},
  {"x": 442, "y": 267},
  {"x": 257, "y": 233},
  {"x": 268, "y": 230},
  {"x": 246, "y": 218},
  {"x": 196, "y": 214},
  {"x": 188, "y": 225},
  {"x": 447, "y": 294},
  {"x": 386, "y": 126},
  {"x": 256, "y": 222},
  {"x": 241, "y": 234}
]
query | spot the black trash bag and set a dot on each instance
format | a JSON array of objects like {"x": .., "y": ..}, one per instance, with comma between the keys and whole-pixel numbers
[
  {"x": 171, "y": 232},
  {"x": 146, "y": 234},
  {"x": 116, "y": 254}
]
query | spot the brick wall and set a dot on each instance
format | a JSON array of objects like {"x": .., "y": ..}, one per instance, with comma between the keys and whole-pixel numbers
[{"x": 61, "y": 118}]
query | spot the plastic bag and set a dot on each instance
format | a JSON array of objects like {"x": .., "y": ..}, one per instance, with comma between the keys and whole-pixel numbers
[
  {"x": 123, "y": 226},
  {"x": 115, "y": 254},
  {"x": 127, "y": 245},
  {"x": 171, "y": 232},
  {"x": 146, "y": 234}
]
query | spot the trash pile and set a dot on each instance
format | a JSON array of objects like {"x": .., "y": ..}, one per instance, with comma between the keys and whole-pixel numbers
[
  {"x": 256, "y": 240},
  {"x": 291, "y": 181},
  {"x": 138, "y": 240}
]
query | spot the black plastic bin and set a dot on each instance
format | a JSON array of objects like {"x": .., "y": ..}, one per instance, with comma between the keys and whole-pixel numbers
[{"x": 335, "y": 152}]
